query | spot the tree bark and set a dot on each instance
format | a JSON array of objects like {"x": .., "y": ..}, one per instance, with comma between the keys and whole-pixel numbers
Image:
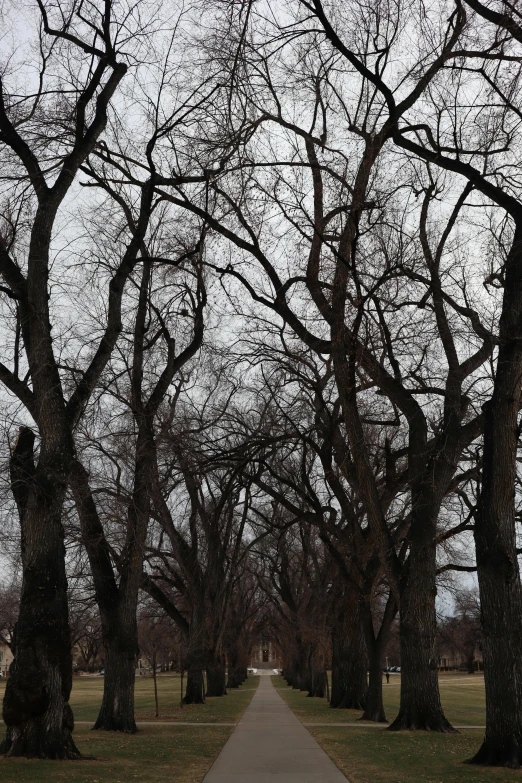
[
  {"x": 318, "y": 683},
  {"x": 117, "y": 603},
  {"x": 420, "y": 706},
  {"x": 121, "y": 649},
  {"x": 349, "y": 658},
  {"x": 317, "y": 673},
  {"x": 235, "y": 678},
  {"x": 376, "y": 644},
  {"x": 374, "y": 709},
  {"x": 195, "y": 690},
  {"x": 234, "y": 672},
  {"x": 216, "y": 675},
  {"x": 495, "y": 538},
  {"x": 289, "y": 674},
  {"x": 300, "y": 672},
  {"x": 36, "y": 702}
]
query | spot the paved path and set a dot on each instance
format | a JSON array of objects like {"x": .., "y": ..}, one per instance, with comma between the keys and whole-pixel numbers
[{"x": 270, "y": 745}]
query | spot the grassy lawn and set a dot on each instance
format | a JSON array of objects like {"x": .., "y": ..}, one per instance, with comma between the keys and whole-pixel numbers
[
  {"x": 462, "y": 698},
  {"x": 373, "y": 756},
  {"x": 87, "y": 693},
  {"x": 370, "y": 755},
  {"x": 157, "y": 754}
]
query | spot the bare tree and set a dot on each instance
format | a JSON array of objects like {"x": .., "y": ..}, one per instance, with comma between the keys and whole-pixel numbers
[
  {"x": 47, "y": 134},
  {"x": 200, "y": 569},
  {"x": 299, "y": 581},
  {"x": 345, "y": 291},
  {"x": 486, "y": 45},
  {"x": 117, "y": 577}
]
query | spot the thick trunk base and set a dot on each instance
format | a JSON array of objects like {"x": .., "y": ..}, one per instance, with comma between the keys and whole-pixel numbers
[
  {"x": 36, "y": 702},
  {"x": 117, "y": 709},
  {"x": 234, "y": 678},
  {"x": 38, "y": 716},
  {"x": 415, "y": 719},
  {"x": 195, "y": 691},
  {"x": 420, "y": 705},
  {"x": 42, "y": 738},
  {"x": 499, "y": 754},
  {"x": 349, "y": 658},
  {"x": 374, "y": 713},
  {"x": 319, "y": 684},
  {"x": 349, "y": 692},
  {"x": 289, "y": 677},
  {"x": 216, "y": 679},
  {"x": 350, "y": 701},
  {"x": 374, "y": 710},
  {"x": 301, "y": 679}
]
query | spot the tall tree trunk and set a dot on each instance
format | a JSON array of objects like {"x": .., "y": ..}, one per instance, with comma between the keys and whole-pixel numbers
[
  {"x": 495, "y": 538},
  {"x": 117, "y": 603},
  {"x": 36, "y": 702},
  {"x": 235, "y": 678},
  {"x": 420, "y": 706},
  {"x": 295, "y": 675},
  {"x": 374, "y": 709},
  {"x": 306, "y": 672},
  {"x": 195, "y": 690},
  {"x": 120, "y": 642},
  {"x": 242, "y": 663},
  {"x": 318, "y": 683},
  {"x": 216, "y": 674},
  {"x": 317, "y": 674},
  {"x": 376, "y": 644},
  {"x": 234, "y": 672},
  {"x": 290, "y": 673},
  {"x": 300, "y": 672},
  {"x": 349, "y": 658}
]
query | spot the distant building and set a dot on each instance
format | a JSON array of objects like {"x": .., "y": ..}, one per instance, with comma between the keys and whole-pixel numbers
[
  {"x": 453, "y": 659},
  {"x": 265, "y": 655},
  {"x": 6, "y": 656}
]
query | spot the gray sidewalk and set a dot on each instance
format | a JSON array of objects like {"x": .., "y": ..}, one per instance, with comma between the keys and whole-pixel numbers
[{"x": 270, "y": 745}]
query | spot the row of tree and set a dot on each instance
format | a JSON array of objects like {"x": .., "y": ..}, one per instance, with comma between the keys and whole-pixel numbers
[{"x": 261, "y": 300}]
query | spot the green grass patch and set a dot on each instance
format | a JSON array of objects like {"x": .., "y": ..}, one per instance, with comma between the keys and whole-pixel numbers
[
  {"x": 157, "y": 754},
  {"x": 373, "y": 755},
  {"x": 376, "y": 756},
  {"x": 87, "y": 694},
  {"x": 462, "y": 698}
]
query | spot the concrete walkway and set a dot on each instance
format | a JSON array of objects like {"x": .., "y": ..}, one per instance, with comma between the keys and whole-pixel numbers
[{"x": 270, "y": 745}]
